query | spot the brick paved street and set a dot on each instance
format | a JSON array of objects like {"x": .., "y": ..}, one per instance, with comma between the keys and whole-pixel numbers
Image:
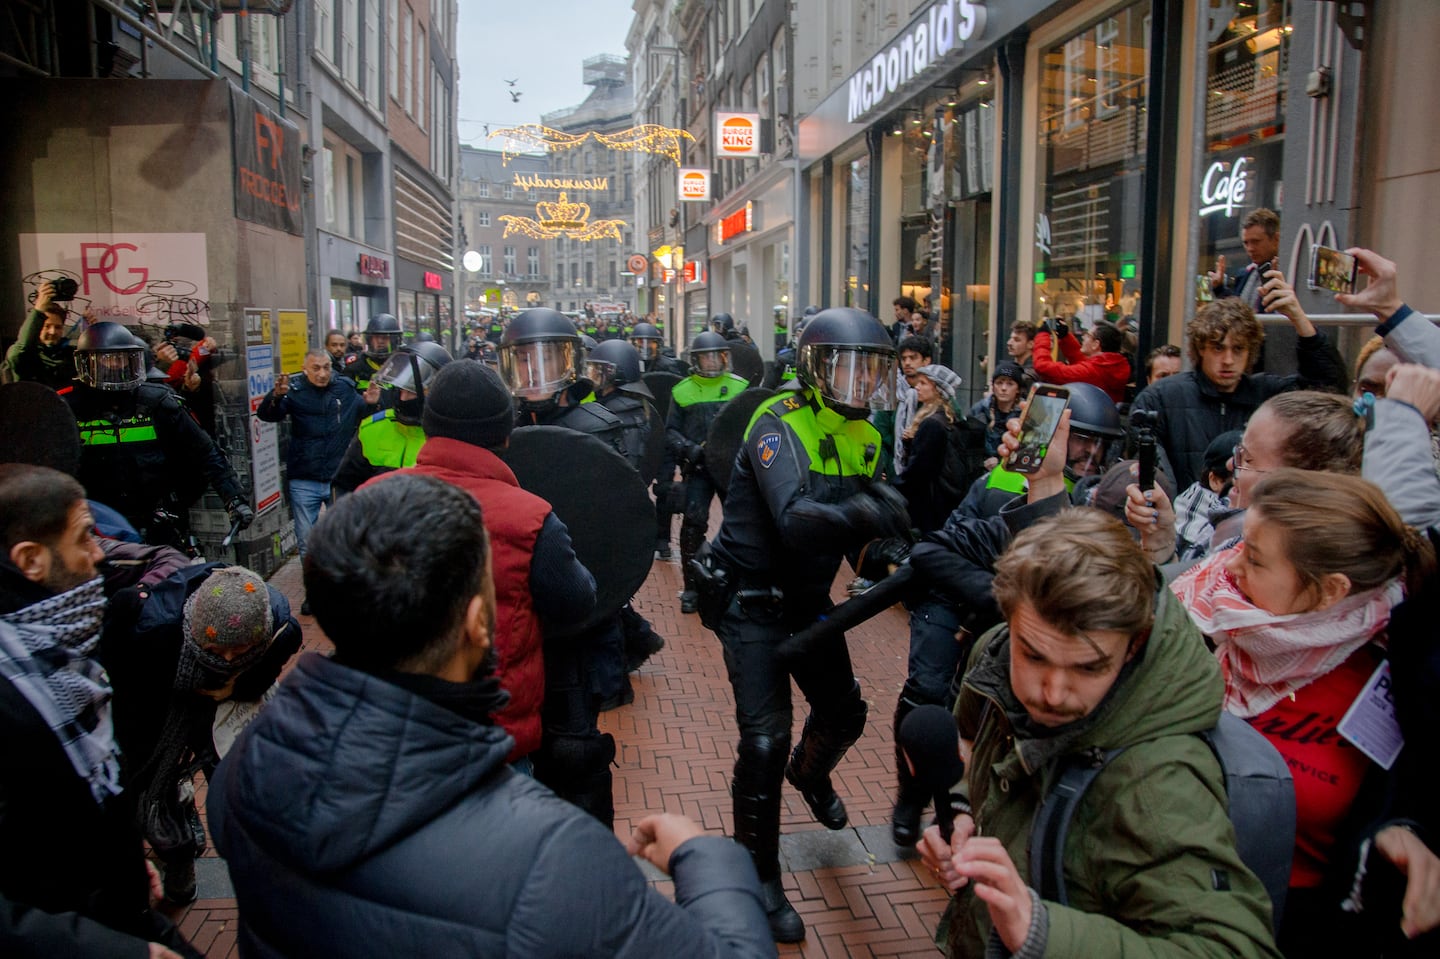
[{"x": 858, "y": 894}]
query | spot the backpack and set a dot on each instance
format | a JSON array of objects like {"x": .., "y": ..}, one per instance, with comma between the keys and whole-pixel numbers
[
  {"x": 1261, "y": 801},
  {"x": 964, "y": 458}
]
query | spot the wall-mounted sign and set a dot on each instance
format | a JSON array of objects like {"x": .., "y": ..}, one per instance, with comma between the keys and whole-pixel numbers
[
  {"x": 472, "y": 261},
  {"x": 155, "y": 278},
  {"x": 694, "y": 272},
  {"x": 737, "y": 134},
  {"x": 741, "y": 221},
  {"x": 637, "y": 263},
  {"x": 694, "y": 184},
  {"x": 1224, "y": 187},
  {"x": 433, "y": 281},
  {"x": 1042, "y": 234},
  {"x": 945, "y": 26},
  {"x": 267, "y": 164},
  {"x": 374, "y": 267},
  {"x": 531, "y": 182}
]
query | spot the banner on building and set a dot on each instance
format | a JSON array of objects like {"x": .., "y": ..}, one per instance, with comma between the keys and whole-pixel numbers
[
  {"x": 151, "y": 278},
  {"x": 267, "y": 165}
]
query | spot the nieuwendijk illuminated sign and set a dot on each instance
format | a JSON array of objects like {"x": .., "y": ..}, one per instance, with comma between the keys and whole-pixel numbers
[{"x": 946, "y": 26}]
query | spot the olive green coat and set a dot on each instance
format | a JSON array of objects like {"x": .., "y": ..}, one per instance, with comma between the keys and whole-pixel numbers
[{"x": 1150, "y": 834}]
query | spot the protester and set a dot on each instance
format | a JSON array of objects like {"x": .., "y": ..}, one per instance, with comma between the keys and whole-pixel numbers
[
  {"x": 41, "y": 352},
  {"x": 1096, "y": 358},
  {"x": 1020, "y": 347},
  {"x": 996, "y": 409},
  {"x": 1163, "y": 361},
  {"x": 73, "y": 879},
  {"x": 1206, "y": 502},
  {"x": 374, "y": 787},
  {"x": 1260, "y": 235},
  {"x": 927, "y": 444},
  {"x": 1300, "y": 614}
]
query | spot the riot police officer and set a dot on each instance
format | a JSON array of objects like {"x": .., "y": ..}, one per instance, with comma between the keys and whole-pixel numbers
[
  {"x": 391, "y": 438},
  {"x": 648, "y": 342},
  {"x": 540, "y": 360},
  {"x": 613, "y": 368},
  {"x": 143, "y": 453},
  {"x": 383, "y": 337},
  {"x": 800, "y": 497},
  {"x": 694, "y": 403}
]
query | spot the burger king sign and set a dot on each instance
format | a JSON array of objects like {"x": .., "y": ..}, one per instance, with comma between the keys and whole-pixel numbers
[
  {"x": 694, "y": 184},
  {"x": 737, "y": 134}
]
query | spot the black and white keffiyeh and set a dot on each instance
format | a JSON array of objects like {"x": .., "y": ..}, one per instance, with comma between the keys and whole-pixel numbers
[{"x": 45, "y": 652}]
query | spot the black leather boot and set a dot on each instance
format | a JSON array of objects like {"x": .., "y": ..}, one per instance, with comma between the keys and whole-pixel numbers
[
  {"x": 756, "y": 793},
  {"x": 691, "y": 539},
  {"x": 821, "y": 746}
]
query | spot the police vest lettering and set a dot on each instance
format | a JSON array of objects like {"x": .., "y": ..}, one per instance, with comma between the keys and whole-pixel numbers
[
  {"x": 388, "y": 443},
  {"x": 131, "y": 429},
  {"x": 945, "y": 26}
]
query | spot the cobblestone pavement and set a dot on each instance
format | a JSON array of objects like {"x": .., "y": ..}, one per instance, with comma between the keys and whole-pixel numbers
[{"x": 858, "y": 893}]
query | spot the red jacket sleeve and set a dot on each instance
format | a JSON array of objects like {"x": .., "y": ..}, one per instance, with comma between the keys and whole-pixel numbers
[{"x": 1109, "y": 371}]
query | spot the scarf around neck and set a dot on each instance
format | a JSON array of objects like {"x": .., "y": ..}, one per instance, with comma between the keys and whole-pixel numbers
[
  {"x": 45, "y": 653},
  {"x": 1265, "y": 657}
]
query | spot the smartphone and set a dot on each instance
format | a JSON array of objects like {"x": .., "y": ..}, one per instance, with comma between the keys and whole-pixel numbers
[
  {"x": 1038, "y": 426},
  {"x": 1331, "y": 270}
]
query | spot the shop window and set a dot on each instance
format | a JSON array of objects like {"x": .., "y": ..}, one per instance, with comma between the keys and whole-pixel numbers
[
  {"x": 1091, "y": 169},
  {"x": 857, "y": 234}
]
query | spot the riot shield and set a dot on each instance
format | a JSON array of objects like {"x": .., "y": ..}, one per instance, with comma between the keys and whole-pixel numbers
[
  {"x": 727, "y": 432},
  {"x": 654, "y": 445},
  {"x": 660, "y": 384},
  {"x": 613, "y": 532},
  {"x": 746, "y": 361}
]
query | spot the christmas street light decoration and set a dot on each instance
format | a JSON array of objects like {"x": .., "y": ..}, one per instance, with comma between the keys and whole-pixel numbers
[
  {"x": 646, "y": 138},
  {"x": 562, "y": 218}
]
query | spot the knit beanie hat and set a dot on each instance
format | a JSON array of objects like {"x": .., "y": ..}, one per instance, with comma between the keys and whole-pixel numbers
[
  {"x": 470, "y": 403},
  {"x": 231, "y": 608},
  {"x": 1009, "y": 370},
  {"x": 945, "y": 379}
]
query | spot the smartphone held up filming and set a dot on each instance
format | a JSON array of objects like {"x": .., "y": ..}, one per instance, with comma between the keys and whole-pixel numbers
[
  {"x": 1037, "y": 427},
  {"x": 1331, "y": 270}
]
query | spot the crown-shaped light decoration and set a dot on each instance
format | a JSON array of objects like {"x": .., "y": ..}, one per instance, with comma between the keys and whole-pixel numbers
[
  {"x": 562, "y": 218},
  {"x": 647, "y": 138}
]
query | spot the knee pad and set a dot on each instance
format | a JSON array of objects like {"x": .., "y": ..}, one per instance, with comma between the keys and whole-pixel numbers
[{"x": 764, "y": 755}]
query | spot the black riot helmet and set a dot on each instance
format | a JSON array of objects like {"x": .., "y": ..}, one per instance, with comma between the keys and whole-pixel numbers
[
  {"x": 646, "y": 339},
  {"x": 613, "y": 363},
  {"x": 1094, "y": 431},
  {"x": 722, "y": 323},
  {"x": 709, "y": 355},
  {"x": 848, "y": 359},
  {"x": 109, "y": 357},
  {"x": 411, "y": 368},
  {"x": 424, "y": 336},
  {"x": 539, "y": 354},
  {"x": 382, "y": 336}
]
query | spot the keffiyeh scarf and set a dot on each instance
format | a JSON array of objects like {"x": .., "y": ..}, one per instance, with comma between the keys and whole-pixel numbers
[
  {"x": 1265, "y": 657},
  {"x": 45, "y": 652}
]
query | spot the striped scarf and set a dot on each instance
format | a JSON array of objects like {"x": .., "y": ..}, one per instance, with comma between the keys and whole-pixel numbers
[
  {"x": 1265, "y": 657},
  {"x": 45, "y": 653}
]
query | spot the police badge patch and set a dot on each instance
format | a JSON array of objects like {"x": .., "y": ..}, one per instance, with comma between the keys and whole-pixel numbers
[{"x": 768, "y": 447}]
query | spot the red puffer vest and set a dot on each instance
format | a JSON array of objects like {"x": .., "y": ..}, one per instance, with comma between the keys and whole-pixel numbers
[{"x": 513, "y": 518}]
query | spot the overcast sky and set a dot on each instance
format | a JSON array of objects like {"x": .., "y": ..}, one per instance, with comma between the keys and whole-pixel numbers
[{"x": 538, "y": 43}]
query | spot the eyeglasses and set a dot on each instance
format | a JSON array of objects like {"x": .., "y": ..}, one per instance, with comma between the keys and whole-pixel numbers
[{"x": 1240, "y": 456}]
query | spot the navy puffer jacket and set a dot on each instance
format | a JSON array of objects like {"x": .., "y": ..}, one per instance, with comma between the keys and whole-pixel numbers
[
  {"x": 359, "y": 819},
  {"x": 322, "y": 424}
]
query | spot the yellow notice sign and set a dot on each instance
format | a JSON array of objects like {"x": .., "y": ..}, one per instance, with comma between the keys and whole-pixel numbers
[{"x": 294, "y": 339}]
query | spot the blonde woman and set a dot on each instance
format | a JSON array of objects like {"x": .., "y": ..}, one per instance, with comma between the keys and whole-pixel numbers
[{"x": 927, "y": 445}]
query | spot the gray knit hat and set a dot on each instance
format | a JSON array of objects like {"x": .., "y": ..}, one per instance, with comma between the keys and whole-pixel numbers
[
  {"x": 946, "y": 380},
  {"x": 231, "y": 608}
]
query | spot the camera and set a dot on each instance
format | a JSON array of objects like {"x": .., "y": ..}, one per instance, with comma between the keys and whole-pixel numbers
[
  {"x": 65, "y": 289},
  {"x": 1144, "y": 419}
]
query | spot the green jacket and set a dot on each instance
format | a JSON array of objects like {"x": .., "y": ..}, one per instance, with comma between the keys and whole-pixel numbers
[{"x": 1151, "y": 831}]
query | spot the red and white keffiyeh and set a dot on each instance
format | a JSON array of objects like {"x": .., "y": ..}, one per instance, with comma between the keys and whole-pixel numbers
[{"x": 1265, "y": 657}]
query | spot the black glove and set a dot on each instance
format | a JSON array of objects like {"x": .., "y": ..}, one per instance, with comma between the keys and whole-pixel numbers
[
  {"x": 896, "y": 509},
  {"x": 241, "y": 514},
  {"x": 695, "y": 453},
  {"x": 879, "y": 511},
  {"x": 879, "y": 555}
]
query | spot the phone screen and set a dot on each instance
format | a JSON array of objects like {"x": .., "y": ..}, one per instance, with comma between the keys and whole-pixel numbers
[
  {"x": 1042, "y": 419},
  {"x": 1331, "y": 270}
]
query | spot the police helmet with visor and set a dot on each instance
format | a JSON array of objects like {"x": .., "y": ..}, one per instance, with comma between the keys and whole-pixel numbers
[
  {"x": 645, "y": 337},
  {"x": 612, "y": 363},
  {"x": 109, "y": 357},
  {"x": 1095, "y": 431},
  {"x": 539, "y": 354},
  {"x": 382, "y": 336},
  {"x": 848, "y": 359},
  {"x": 709, "y": 355}
]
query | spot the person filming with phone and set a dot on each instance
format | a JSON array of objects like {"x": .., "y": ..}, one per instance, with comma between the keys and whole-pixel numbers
[
  {"x": 42, "y": 352},
  {"x": 1260, "y": 234}
]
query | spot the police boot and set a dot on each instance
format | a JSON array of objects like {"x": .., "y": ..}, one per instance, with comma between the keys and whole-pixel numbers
[
  {"x": 691, "y": 539},
  {"x": 821, "y": 746},
  {"x": 911, "y": 799},
  {"x": 756, "y": 793}
]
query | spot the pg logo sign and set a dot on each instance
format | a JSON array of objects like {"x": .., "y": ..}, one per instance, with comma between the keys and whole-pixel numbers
[{"x": 737, "y": 134}]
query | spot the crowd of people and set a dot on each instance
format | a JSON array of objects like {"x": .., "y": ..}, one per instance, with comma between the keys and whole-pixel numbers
[{"x": 1205, "y": 570}]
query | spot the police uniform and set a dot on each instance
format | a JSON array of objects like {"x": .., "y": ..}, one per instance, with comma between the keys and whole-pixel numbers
[
  {"x": 140, "y": 447},
  {"x": 383, "y": 443},
  {"x": 637, "y": 419},
  {"x": 360, "y": 367},
  {"x": 694, "y": 403},
  {"x": 800, "y": 498}
]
